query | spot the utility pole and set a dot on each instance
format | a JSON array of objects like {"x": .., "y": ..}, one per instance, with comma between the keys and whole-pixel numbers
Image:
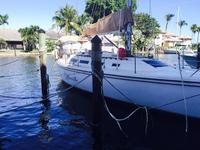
[
  {"x": 43, "y": 68},
  {"x": 97, "y": 84},
  {"x": 128, "y": 32}
]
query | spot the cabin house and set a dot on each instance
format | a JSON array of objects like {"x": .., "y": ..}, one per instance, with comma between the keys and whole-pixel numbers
[{"x": 10, "y": 39}]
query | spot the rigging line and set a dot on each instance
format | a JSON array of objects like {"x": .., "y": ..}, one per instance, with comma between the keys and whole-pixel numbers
[
  {"x": 104, "y": 8},
  {"x": 173, "y": 102},
  {"x": 119, "y": 91},
  {"x": 72, "y": 86},
  {"x": 195, "y": 72},
  {"x": 93, "y": 10},
  {"x": 183, "y": 93},
  {"x": 155, "y": 107},
  {"x": 1, "y": 65},
  {"x": 118, "y": 40}
]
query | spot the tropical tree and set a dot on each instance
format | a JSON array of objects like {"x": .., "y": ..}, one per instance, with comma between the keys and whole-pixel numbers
[
  {"x": 193, "y": 29},
  {"x": 67, "y": 18},
  {"x": 99, "y": 8},
  {"x": 182, "y": 23},
  {"x": 3, "y": 43},
  {"x": 30, "y": 36},
  {"x": 84, "y": 20},
  {"x": 168, "y": 18},
  {"x": 3, "y": 19},
  {"x": 148, "y": 28},
  {"x": 198, "y": 31},
  {"x": 51, "y": 45}
]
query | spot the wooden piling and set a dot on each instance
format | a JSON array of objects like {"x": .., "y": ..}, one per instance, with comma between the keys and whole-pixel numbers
[
  {"x": 43, "y": 68},
  {"x": 15, "y": 53},
  {"x": 97, "y": 84},
  {"x": 198, "y": 56}
]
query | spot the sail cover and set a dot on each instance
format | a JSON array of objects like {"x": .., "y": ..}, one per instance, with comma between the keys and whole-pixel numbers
[{"x": 113, "y": 22}]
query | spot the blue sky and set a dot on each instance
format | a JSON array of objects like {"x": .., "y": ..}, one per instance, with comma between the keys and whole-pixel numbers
[{"x": 23, "y": 13}]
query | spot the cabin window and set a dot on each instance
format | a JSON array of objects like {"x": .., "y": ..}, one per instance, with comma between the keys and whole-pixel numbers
[
  {"x": 115, "y": 65},
  {"x": 84, "y": 61},
  {"x": 155, "y": 63}
]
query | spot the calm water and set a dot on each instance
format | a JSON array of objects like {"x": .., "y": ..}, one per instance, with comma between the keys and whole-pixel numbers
[{"x": 64, "y": 121}]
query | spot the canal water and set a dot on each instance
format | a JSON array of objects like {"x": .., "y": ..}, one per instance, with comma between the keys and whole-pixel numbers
[{"x": 63, "y": 122}]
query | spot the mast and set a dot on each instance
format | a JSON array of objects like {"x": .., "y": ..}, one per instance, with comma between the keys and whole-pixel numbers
[
  {"x": 128, "y": 32},
  {"x": 177, "y": 21},
  {"x": 149, "y": 7}
]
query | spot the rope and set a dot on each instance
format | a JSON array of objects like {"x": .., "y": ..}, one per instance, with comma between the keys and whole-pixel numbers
[
  {"x": 19, "y": 97},
  {"x": 52, "y": 95},
  {"x": 24, "y": 106},
  {"x": 1, "y": 65},
  {"x": 20, "y": 74},
  {"x": 118, "y": 120}
]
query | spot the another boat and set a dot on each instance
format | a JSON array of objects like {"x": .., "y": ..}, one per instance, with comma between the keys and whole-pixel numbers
[
  {"x": 170, "y": 51},
  {"x": 190, "y": 57},
  {"x": 155, "y": 84}
]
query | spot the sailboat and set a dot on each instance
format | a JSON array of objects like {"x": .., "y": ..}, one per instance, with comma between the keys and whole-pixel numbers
[{"x": 135, "y": 80}]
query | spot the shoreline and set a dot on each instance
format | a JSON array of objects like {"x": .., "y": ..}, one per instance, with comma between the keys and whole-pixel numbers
[{"x": 11, "y": 53}]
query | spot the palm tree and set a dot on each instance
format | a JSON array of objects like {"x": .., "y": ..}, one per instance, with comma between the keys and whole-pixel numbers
[
  {"x": 182, "y": 23},
  {"x": 168, "y": 18},
  {"x": 193, "y": 29},
  {"x": 3, "y": 19},
  {"x": 67, "y": 18},
  {"x": 198, "y": 31},
  {"x": 30, "y": 36}
]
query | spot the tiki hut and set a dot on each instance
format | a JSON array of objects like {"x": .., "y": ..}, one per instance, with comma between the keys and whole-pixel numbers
[{"x": 11, "y": 39}]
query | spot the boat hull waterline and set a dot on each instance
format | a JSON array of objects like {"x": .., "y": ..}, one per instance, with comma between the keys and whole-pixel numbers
[{"x": 166, "y": 95}]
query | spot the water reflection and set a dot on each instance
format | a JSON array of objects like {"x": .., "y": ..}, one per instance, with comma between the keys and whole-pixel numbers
[
  {"x": 44, "y": 119},
  {"x": 68, "y": 123}
]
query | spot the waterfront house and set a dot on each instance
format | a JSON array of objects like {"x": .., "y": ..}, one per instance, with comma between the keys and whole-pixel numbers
[
  {"x": 11, "y": 39},
  {"x": 167, "y": 40}
]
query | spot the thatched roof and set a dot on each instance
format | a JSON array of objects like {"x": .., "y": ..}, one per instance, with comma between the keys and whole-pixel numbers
[
  {"x": 73, "y": 39},
  {"x": 54, "y": 35},
  {"x": 10, "y": 34}
]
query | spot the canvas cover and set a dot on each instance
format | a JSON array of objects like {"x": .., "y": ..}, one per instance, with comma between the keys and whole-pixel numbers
[{"x": 113, "y": 22}]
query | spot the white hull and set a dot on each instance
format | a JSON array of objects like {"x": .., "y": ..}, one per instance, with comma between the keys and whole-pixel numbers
[{"x": 162, "y": 94}]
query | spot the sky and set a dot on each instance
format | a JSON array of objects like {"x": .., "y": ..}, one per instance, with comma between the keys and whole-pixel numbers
[{"x": 24, "y": 13}]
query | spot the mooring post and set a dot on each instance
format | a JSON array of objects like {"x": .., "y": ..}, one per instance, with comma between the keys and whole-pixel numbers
[
  {"x": 198, "y": 56},
  {"x": 15, "y": 53},
  {"x": 43, "y": 68},
  {"x": 97, "y": 84}
]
